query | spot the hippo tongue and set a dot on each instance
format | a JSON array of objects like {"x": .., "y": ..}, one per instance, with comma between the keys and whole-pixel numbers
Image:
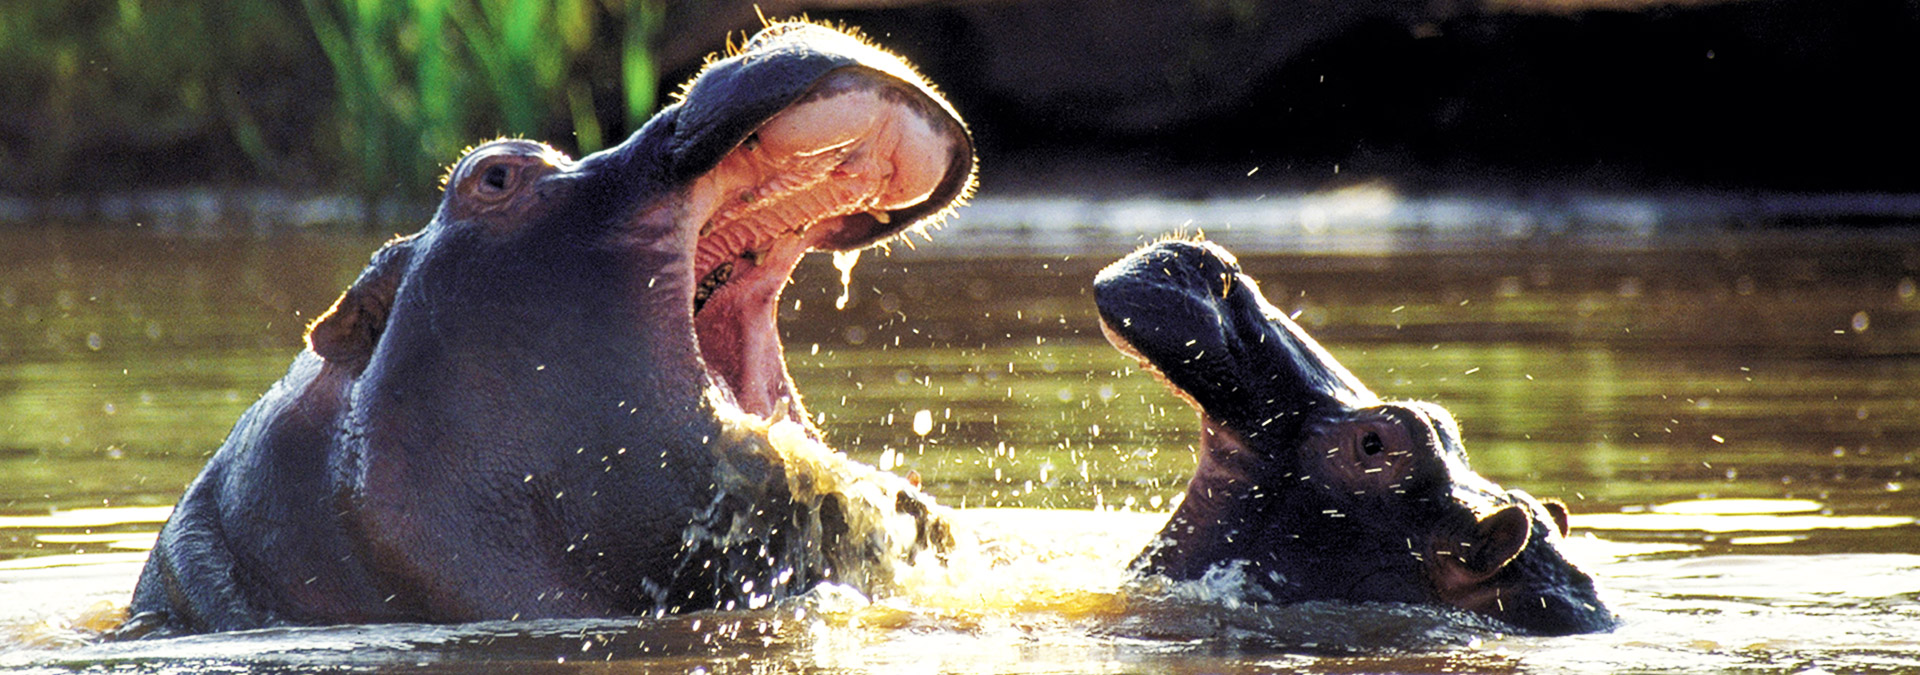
[{"x": 739, "y": 338}]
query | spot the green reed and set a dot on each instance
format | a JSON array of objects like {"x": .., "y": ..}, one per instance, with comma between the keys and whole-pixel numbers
[
  {"x": 370, "y": 95},
  {"x": 419, "y": 80}
]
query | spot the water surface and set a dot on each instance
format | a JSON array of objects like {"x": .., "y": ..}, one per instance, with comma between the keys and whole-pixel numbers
[{"x": 1732, "y": 418}]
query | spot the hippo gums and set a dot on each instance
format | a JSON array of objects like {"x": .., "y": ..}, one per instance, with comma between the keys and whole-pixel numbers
[
  {"x": 565, "y": 396},
  {"x": 1307, "y": 483}
]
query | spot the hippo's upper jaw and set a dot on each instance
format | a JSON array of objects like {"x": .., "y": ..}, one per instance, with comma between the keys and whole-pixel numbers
[{"x": 1307, "y": 481}]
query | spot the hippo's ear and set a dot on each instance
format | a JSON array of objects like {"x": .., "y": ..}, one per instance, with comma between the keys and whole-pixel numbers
[
  {"x": 1495, "y": 541},
  {"x": 346, "y": 334},
  {"x": 1498, "y": 539},
  {"x": 1558, "y": 511}
]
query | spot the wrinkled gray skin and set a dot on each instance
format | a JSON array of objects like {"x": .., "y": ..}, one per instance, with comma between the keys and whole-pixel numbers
[
  {"x": 510, "y": 413},
  {"x": 1310, "y": 485}
]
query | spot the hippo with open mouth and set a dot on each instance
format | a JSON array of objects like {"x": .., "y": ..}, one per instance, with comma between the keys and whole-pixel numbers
[
  {"x": 1311, "y": 486},
  {"x": 565, "y": 396}
]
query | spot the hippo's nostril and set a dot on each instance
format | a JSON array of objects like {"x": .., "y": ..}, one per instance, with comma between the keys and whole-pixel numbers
[{"x": 1371, "y": 444}]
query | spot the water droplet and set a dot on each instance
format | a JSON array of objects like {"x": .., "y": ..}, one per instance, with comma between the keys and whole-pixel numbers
[
  {"x": 1860, "y": 321},
  {"x": 1906, "y": 289},
  {"x": 95, "y": 342},
  {"x": 844, "y": 261}
]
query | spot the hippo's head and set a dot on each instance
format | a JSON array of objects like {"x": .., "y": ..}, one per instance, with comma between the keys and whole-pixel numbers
[
  {"x": 658, "y": 264},
  {"x": 578, "y": 361},
  {"x": 1310, "y": 484}
]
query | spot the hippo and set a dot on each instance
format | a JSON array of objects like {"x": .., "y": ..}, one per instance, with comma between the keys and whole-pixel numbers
[
  {"x": 1308, "y": 485},
  {"x": 565, "y": 396}
]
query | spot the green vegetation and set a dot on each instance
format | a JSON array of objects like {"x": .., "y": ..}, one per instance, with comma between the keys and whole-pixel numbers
[
  {"x": 417, "y": 81},
  {"x": 341, "y": 94}
]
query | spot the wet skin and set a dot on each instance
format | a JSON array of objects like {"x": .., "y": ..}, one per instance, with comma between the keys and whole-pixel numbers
[
  {"x": 565, "y": 397},
  {"x": 1310, "y": 485}
]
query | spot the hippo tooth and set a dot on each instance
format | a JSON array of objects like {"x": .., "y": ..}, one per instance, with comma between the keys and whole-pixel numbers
[{"x": 713, "y": 281}]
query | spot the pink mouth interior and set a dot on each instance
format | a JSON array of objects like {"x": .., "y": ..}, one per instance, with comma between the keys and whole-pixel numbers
[{"x": 853, "y": 146}]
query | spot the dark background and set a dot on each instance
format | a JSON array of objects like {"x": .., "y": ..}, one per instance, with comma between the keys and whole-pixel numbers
[
  {"x": 1796, "y": 95},
  {"x": 1063, "y": 95}
]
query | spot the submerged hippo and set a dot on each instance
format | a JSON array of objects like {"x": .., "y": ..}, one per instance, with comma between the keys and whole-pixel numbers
[
  {"x": 1311, "y": 486},
  {"x": 565, "y": 396}
]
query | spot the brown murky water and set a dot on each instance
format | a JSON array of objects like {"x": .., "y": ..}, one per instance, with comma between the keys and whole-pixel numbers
[{"x": 1734, "y": 419}]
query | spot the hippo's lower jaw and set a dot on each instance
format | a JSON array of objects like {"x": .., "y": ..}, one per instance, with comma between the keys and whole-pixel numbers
[{"x": 1311, "y": 485}]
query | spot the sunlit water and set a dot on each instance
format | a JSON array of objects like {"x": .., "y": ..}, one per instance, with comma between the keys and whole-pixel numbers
[{"x": 1731, "y": 417}]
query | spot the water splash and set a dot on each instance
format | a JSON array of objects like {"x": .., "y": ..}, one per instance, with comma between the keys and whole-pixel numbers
[{"x": 789, "y": 512}]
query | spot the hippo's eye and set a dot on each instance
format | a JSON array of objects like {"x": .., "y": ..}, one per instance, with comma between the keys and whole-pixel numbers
[
  {"x": 1369, "y": 457},
  {"x": 494, "y": 179}
]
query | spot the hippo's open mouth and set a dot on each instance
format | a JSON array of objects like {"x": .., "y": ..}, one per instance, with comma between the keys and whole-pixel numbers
[{"x": 860, "y": 157}]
